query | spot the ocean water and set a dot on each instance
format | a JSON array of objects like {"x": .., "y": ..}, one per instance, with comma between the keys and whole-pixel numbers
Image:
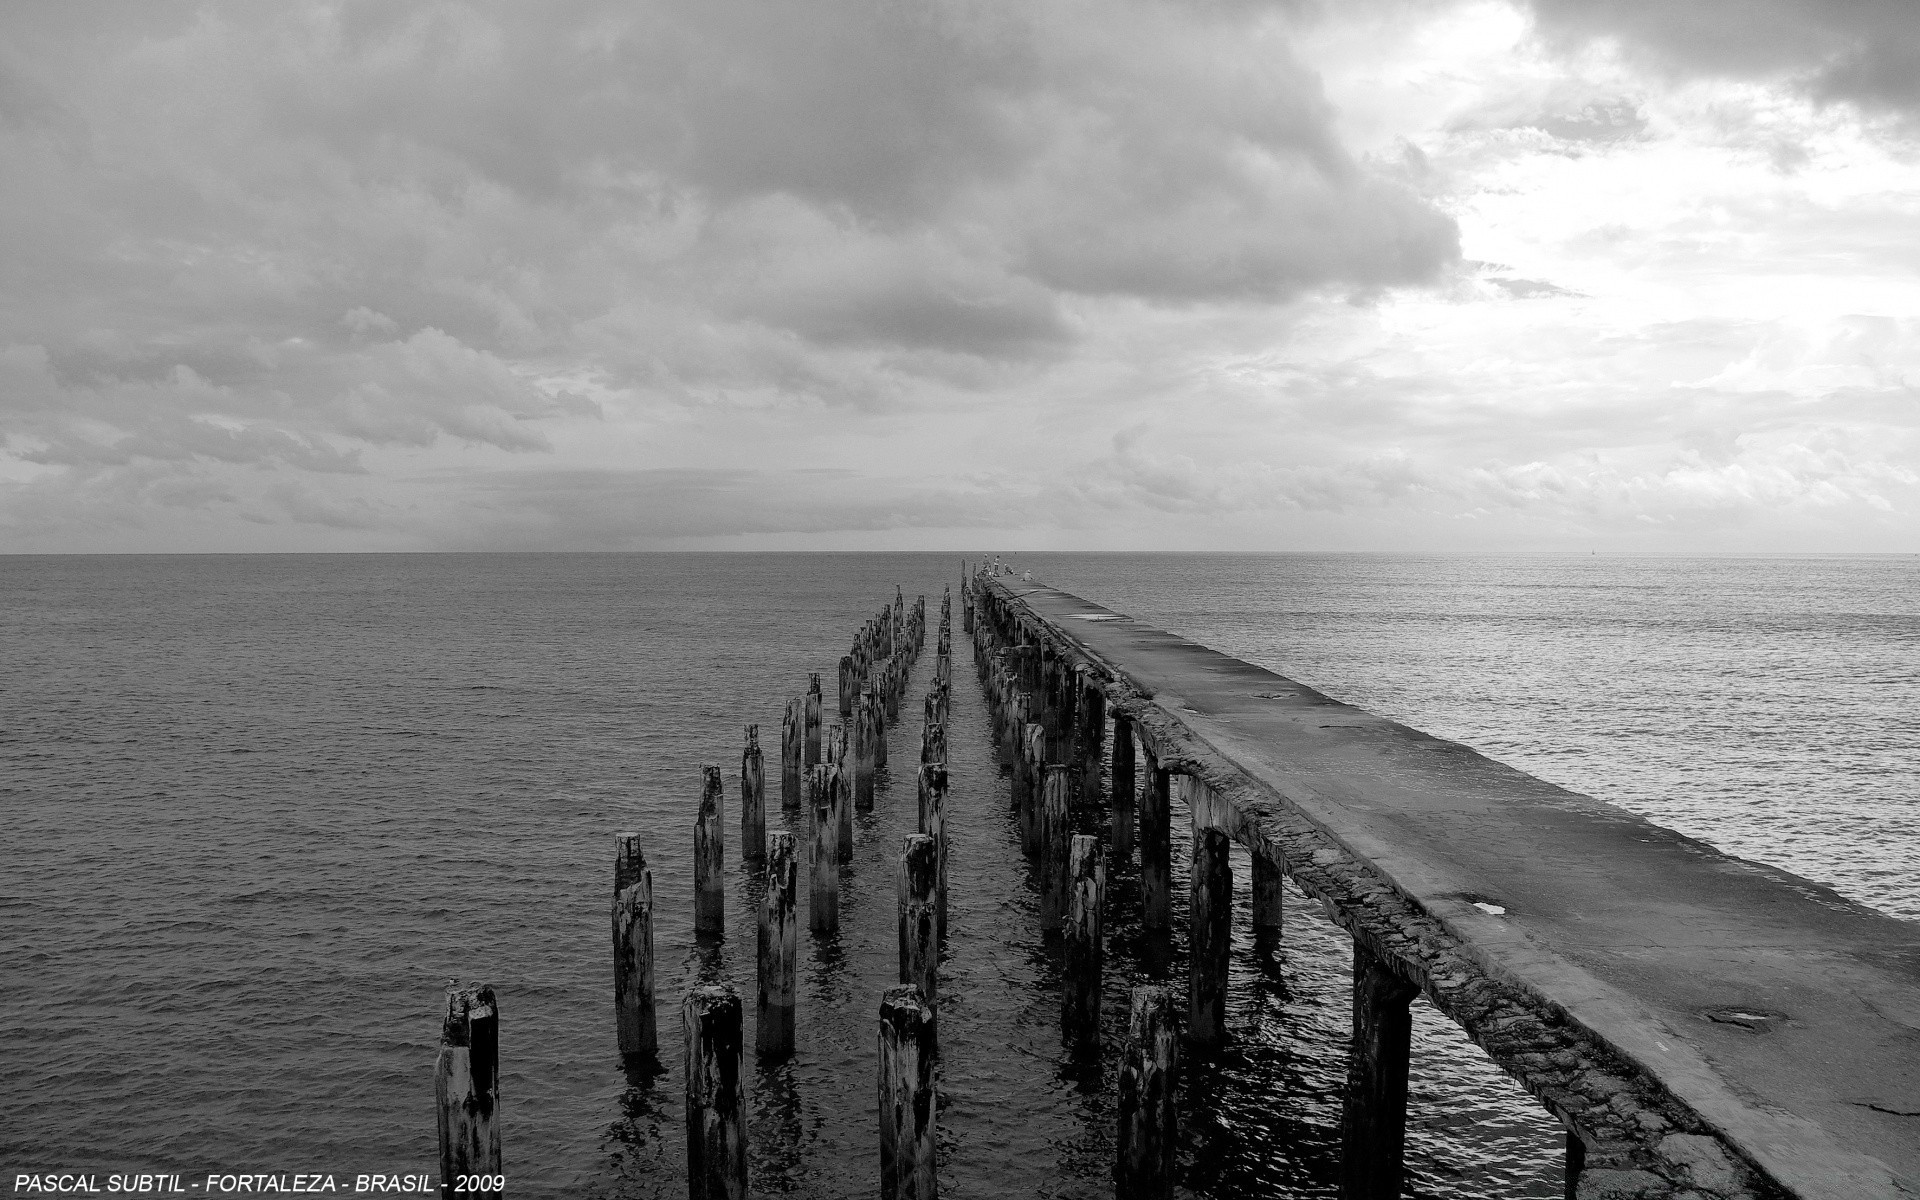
[{"x": 261, "y": 809}]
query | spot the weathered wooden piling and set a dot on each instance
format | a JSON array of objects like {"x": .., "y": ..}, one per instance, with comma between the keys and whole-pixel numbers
[
  {"x": 633, "y": 1003},
  {"x": 879, "y": 729},
  {"x": 1373, "y": 1123},
  {"x": 1090, "y": 713},
  {"x": 848, "y": 686},
  {"x": 841, "y": 781},
  {"x": 716, "y": 1094},
  {"x": 1156, "y": 847},
  {"x": 918, "y": 888},
  {"x": 823, "y": 863},
  {"x": 933, "y": 822},
  {"x": 710, "y": 860},
  {"x": 792, "y": 740},
  {"x": 753, "y": 799},
  {"x": 1056, "y": 828},
  {"x": 907, "y": 1106},
  {"x": 811, "y": 751},
  {"x": 1211, "y": 938},
  {"x": 1124, "y": 787},
  {"x": 863, "y": 721},
  {"x": 779, "y": 937},
  {"x": 466, "y": 1087},
  {"x": 1268, "y": 869},
  {"x": 1149, "y": 1121},
  {"x": 1032, "y": 764},
  {"x": 1086, "y": 945}
]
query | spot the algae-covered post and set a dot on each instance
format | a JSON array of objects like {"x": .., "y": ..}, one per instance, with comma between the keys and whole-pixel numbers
[
  {"x": 1156, "y": 847},
  {"x": 842, "y": 783},
  {"x": 1373, "y": 1124},
  {"x": 753, "y": 799},
  {"x": 848, "y": 686},
  {"x": 1149, "y": 1122},
  {"x": 933, "y": 823},
  {"x": 633, "y": 1002},
  {"x": 812, "y": 717},
  {"x": 1056, "y": 827},
  {"x": 1123, "y": 789},
  {"x": 1086, "y": 947},
  {"x": 863, "y": 721},
  {"x": 792, "y": 736},
  {"x": 919, "y": 918},
  {"x": 466, "y": 1087},
  {"x": 716, "y": 1094},
  {"x": 1092, "y": 713},
  {"x": 710, "y": 860},
  {"x": 1031, "y": 766},
  {"x": 1210, "y": 940},
  {"x": 823, "y": 864},
  {"x": 779, "y": 920},
  {"x": 907, "y": 1113}
]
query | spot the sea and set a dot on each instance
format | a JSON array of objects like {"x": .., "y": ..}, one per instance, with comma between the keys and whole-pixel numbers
[{"x": 261, "y": 809}]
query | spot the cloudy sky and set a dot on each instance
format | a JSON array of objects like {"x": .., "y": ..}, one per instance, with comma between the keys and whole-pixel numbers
[{"x": 1374, "y": 274}]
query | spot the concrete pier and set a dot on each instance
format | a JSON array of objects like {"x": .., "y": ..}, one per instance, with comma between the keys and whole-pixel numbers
[{"x": 1704, "y": 1026}]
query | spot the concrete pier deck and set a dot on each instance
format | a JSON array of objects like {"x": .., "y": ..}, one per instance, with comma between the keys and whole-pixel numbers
[{"x": 1763, "y": 1013}]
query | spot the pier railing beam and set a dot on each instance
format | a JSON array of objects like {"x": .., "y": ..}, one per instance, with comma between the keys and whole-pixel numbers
[
  {"x": 1156, "y": 847},
  {"x": 716, "y": 1096},
  {"x": 779, "y": 936},
  {"x": 1373, "y": 1125},
  {"x": 1211, "y": 938},
  {"x": 1149, "y": 1120},
  {"x": 466, "y": 1087}
]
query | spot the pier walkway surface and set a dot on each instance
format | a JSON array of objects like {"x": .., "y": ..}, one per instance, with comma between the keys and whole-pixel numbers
[{"x": 1700, "y": 1023}]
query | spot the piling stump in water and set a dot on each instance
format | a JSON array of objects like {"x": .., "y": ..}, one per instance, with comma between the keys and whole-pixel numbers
[
  {"x": 792, "y": 737},
  {"x": 919, "y": 918},
  {"x": 933, "y": 823},
  {"x": 1373, "y": 1121},
  {"x": 1055, "y": 829},
  {"x": 879, "y": 730},
  {"x": 1033, "y": 761},
  {"x": 779, "y": 929},
  {"x": 1092, "y": 721},
  {"x": 466, "y": 1088},
  {"x": 1086, "y": 946},
  {"x": 907, "y": 1114},
  {"x": 847, "y": 686},
  {"x": 842, "y": 784},
  {"x": 1123, "y": 789},
  {"x": 1156, "y": 848},
  {"x": 863, "y": 750},
  {"x": 1211, "y": 939},
  {"x": 811, "y": 750},
  {"x": 1149, "y": 1122},
  {"x": 753, "y": 799},
  {"x": 1268, "y": 868},
  {"x": 716, "y": 1096},
  {"x": 710, "y": 860},
  {"x": 633, "y": 1002},
  {"x": 823, "y": 863}
]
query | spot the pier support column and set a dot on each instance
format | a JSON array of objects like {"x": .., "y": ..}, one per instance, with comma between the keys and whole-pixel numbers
[
  {"x": 919, "y": 917},
  {"x": 1268, "y": 869},
  {"x": 1149, "y": 1121},
  {"x": 466, "y": 1087},
  {"x": 1056, "y": 828},
  {"x": 823, "y": 866},
  {"x": 633, "y": 1004},
  {"x": 753, "y": 799},
  {"x": 792, "y": 736},
  {"x": 710, "y": 860},
  {"x": 1033, "y": 761},
  {"x": 1123, "y": 790},
  {"x": 811, "y": 750},
  {"x": 1156, "y": 847},
  {"x": 1086, "y": 946},
  {"x": 1576, "y": 1163},
  {"x": 933, "y": 823},
  {"x": 907, "y": 1104},
  {"x": 716, "y": 1097},
  {"x": 865, "y": 716},
  {"x": 779, "y": 930},
  {"x": 1211, "y": 938},
  {"x": 1373, "y": 1127},
  {"x": 1092, "y": 722},
  {"x": 842, "y": 783}
]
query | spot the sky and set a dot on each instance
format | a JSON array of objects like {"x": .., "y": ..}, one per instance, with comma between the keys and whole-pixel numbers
[{"x": 1614, "y": 275}]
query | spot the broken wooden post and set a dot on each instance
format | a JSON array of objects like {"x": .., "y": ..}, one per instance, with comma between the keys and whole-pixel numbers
[
  {"x": 879, "y": 728},
  {"x": 1123, "y": 789},
  {"x": 933, "y": 823},
  {"x": 791, "y": 739},
  {"x": 823, "y": 867},
  {"x": 847, "y": 687},
  {"x": 1211, "y": 938},
  {"x": 710, "y": 860},
  {"x": 1268, "y": 868},
  {"x": 1149, "y": 1122},
  {"x": 842, "y": 783},
  {"x": 716, "y": 1094},
  {"x": 863, "y": 720},
  {"x": 753, "y": 799},
  {"x": 1156, "y": 847},
  {"x": 466, "y": 1086},
  {"x": 918, "y": 890},
  {"x": 1086, "y": 948},
  {"x": 633, "y": 1005},
  {"x": 1373, "y": 1123},
  {"x": 907, "y": 1115},
  {"x": 779, "y": 934},
  {"x": 812, "y": 716},
  {"x": 1055, "y": 829}
]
